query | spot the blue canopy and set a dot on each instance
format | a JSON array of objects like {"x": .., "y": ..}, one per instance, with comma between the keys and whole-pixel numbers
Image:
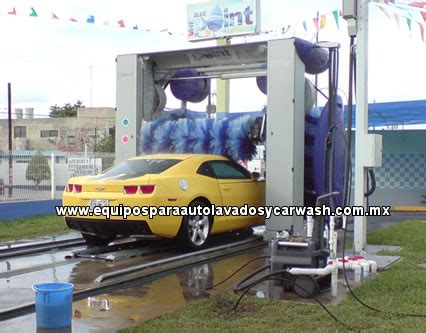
[{"x": 394, "y": 113}]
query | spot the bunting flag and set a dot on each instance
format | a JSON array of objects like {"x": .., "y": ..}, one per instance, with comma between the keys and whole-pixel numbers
[
  {"x": 120, "y": 23},
  {"x": 285, "y": 30},
  {"x": 396, "y": 18},
  {"x": 336, "y": 17},
  {"x": 421, "y": 5},
  {"x": 410, "y": 12},
  {"x": 422, "y": 30},
  {"x": 315, "y": 20},
  {"x": 305, "y": 26},
  {"x": 384, "y": 11},
  {"x": 323, "y": 21},
  {"x": 409, "y": 23},
  {"x": 33, "y": 12}
]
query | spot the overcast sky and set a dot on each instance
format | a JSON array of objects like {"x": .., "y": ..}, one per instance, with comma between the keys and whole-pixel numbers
[{"x": 56, "y": 61}]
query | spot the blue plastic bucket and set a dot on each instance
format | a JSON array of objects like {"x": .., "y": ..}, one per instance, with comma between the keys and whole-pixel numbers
[{"x": 53, "y": 304}]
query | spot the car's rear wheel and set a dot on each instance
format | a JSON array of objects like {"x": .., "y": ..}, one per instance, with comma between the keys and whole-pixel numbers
[
  {"x": 195, "y": 229},
  {"x": 93, "y": 240}
]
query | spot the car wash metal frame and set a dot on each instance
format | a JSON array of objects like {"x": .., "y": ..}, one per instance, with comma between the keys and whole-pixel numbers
[{"x": 141, "y": 79}]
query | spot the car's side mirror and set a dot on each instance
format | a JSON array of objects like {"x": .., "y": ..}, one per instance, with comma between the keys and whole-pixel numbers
[{"x": 255, "y": 175}]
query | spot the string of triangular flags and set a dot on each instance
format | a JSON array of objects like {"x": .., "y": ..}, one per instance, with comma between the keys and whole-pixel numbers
[
  {"x": 318, "y": 23},
  {"x": 90, "y": 19},
  {"x": 413, "y": 12}
]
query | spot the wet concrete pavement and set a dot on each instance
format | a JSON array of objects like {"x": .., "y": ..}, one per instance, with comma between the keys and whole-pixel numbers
[
  {"x": 82, "y": 273},
  {"x": 130, "y": 306}
]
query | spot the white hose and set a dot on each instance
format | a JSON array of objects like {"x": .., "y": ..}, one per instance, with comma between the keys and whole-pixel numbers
[
  {"x": 373, "y": 266},
  {"x": 330, "y": 268},
  {"x": 365, "y": 267}
]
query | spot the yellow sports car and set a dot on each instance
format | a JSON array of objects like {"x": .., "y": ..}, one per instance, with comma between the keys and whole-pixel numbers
[{"x": 168, "y": 195}]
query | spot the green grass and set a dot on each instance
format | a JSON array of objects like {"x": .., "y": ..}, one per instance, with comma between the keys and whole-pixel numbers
[
  {"x": 402, "y": 288},
  {"x": 29, "y": 227}
]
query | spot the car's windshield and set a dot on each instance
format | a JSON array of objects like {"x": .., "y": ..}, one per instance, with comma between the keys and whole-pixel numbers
[{"x": 137, "y": 168}]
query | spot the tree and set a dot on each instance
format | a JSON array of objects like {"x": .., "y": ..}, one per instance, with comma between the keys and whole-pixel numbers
[
  {"x": 67, "y": 110},
  {"x": 38, "y": 169},
  {"x": 106, "y": 144}
]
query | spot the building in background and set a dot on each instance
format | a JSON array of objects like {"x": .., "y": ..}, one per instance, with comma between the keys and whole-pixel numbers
[{"x": 73, "y": 134}]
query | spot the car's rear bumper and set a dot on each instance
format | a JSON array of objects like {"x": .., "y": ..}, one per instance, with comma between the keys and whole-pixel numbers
[{"x": 108, "y": 227}]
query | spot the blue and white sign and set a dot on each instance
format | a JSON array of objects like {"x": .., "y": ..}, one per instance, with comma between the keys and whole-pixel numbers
[{"x": 222, "y": 18}]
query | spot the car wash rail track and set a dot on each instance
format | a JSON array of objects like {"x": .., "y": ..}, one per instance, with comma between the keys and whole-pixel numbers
[
  {"x": 147, "y": 272},
  {"x": 15, "y": 250}
]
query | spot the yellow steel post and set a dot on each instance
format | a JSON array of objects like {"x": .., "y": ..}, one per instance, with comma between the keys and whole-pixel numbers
[{"x": 222, "y": 86}]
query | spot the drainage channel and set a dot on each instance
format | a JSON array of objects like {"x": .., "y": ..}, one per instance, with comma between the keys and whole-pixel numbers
[{"x": 140, "y": 274}]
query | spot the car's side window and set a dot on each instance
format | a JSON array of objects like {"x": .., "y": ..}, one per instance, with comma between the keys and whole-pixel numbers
[
  {"x": 229, "y": 170},
  {"x": 205, "y": 170}
]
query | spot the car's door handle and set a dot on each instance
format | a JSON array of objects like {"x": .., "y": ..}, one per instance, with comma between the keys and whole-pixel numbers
[{"x": 225, "y": 187}]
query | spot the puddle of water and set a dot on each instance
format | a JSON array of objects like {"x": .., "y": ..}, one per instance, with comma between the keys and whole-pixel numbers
[
  {"x": 16, "y": 291},
  {"x": 130, "y": 306},
  {"x": 24, "y": 262}
]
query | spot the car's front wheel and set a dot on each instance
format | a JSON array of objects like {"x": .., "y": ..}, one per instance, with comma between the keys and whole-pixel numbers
[
  {"x": 97, "y": 240},
  {"x": 195, "y": 229}
]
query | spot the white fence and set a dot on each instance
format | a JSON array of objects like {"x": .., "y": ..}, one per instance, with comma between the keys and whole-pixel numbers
[{"x": 30, "y": 175}]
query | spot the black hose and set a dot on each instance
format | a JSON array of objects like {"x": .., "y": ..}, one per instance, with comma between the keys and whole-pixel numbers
[
  {"x": 239, "y": 285},
  {"x": 333, "y": 135},
  {"x": 372, "y": 308},
  {"x": 348, "y": 178},
  {"x": 236, "y": 271},
  {"x": 372, "y": 182},
  {"x": 328, "y": 163},
  {"x": 348, "y": 148},
  {"x": 271, "y": 277}
]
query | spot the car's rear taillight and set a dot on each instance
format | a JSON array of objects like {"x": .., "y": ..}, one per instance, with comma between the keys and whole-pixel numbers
[
  {"x": 130, "y": 189},
  {"x": 78, "y": 188},
  {"x": 147, "y": 189},
  {"x": 70, "y": 187}
]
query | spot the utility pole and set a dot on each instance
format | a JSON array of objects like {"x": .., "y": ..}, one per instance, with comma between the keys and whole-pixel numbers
[
  {"x": 91, "y": 85},
  {"x": 9, "y": 122},
  {"x": 96, "y": 137}
]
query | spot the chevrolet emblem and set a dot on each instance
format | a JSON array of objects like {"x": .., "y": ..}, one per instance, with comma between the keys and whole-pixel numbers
[{"x": 100, "y": 188}]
